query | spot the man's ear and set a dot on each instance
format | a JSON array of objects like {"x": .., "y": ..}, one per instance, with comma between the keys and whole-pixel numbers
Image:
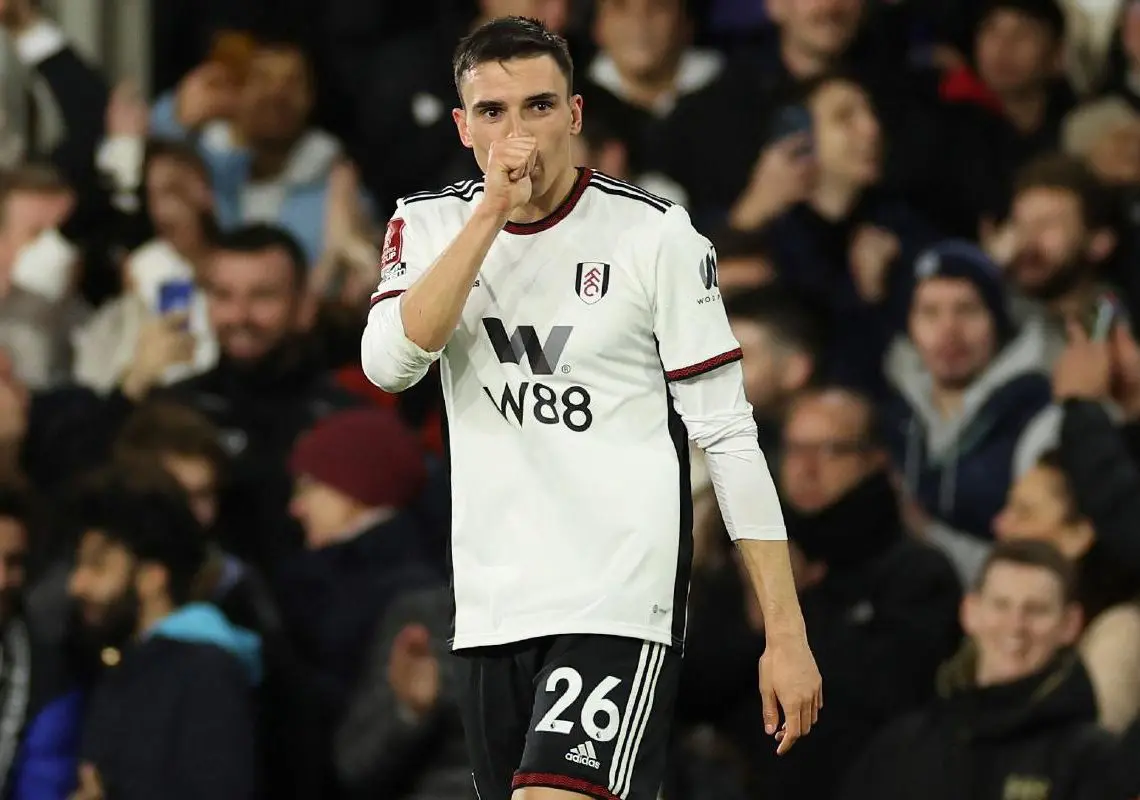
[
  {"x": 1101, "y": 245},
  {"x": 460, "y": 118},
  {"x": 576, "y": 114}
]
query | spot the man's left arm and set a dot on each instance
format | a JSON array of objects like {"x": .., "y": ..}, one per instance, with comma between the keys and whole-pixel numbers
[{"x": 701, "y": 361}]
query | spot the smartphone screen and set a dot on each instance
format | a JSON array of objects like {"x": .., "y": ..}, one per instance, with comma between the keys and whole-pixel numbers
[
  {"x": 789, "y": 121},
  {"x": 175, "y": 296},
  {"x": 1101, "y": 318}
]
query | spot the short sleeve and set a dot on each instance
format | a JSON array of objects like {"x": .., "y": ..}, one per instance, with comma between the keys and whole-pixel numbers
[
  {"x": 403, "y": 258},
  {"x": 689, "y": 320}
]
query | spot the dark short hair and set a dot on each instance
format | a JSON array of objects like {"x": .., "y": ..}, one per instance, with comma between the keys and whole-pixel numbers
[
  {"x": 148, "y": 514},
  {"x": 159, "y": 428},
  {"x": 1032, "y": 553},
  {"x": 792, "y": 322},
  {"x": 507, "y": 38},
  {"x": 1070, "y": 174},
  {"x": 259, "y": 237},
  {"x": 184, "y": 153},
  {"x": 1048, "y": 12},
  {"x": 873, "y": 435}
]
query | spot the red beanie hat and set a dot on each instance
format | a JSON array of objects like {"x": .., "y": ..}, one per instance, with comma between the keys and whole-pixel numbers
[{"x": 366, "y": 454}]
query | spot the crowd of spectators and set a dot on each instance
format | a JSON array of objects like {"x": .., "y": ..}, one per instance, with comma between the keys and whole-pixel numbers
[{"x": 223, "y": 554}]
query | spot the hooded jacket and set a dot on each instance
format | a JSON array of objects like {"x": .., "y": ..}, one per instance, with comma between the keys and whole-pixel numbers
[
  {"x": 1035, "y": 738},
  {"x": 960, "y": 469},
  {"x": 174, "y": 718}
]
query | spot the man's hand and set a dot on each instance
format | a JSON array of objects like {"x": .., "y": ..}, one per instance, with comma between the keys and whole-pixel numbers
[
  {"x": 90, "y": 785},
  {"x": 509, "y": 167},
  {"x": 206, "y": 94},
  {"x": 789, "y": 682},
  {"x": 1084, "y": 369},
  {"x": 163, "y": 342},
  {"x": 872, "y": 252},
  {"x": 413, "y": 671},
  {"x": 783, "y": 175},
  {"x": 127, "y": 113}
]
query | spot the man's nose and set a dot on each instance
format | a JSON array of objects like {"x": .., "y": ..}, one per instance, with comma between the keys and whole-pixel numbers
[{"x": 515, "y": 125}]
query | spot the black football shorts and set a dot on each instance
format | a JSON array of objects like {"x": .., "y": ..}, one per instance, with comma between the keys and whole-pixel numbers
[{"x": 586, "y": 713}]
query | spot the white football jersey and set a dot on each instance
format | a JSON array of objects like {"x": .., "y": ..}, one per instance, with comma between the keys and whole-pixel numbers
[{"x": 569, "y": 469}]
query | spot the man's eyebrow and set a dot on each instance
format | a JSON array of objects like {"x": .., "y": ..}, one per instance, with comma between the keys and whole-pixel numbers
[
  {"x": 543, "y": 97},
  {"x": 499, "y": 105},
  {"x": 489, "y": 105}
]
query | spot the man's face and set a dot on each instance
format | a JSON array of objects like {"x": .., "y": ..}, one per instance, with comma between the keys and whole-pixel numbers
[
  {"x": 520, "y": 97},
  {"x": 1018, "y": 621},
  {"x": 13, "y": 555},
  {"x": 1015, "y": 53},
  {"x": 324, "y": 513},
  {"x": 27, "y": 215},
  {"x": 848, "y": 141},
  {"x": 102, "y": 584},
  {"x": 765, "y": 364},
  {"x": 254, "y": 302},
  {"x": 643, "y": 37},
  {"x": 822, "y": 28},
  {"x": 199, "y": 480},
  {"x": 825, "y": 453},
  {"x": 277, "y": 97},
  {"x": 952, "y": 330},
  {"x": 1053, "y": 242}
]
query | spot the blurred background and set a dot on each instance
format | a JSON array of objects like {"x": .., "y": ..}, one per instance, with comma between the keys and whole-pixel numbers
[{"x": 223, "y": 554}]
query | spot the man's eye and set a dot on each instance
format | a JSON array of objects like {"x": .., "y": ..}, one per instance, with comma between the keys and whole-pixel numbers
[
  {"x": 542, "y": 106},
  {"x": 490, "y": 113}
]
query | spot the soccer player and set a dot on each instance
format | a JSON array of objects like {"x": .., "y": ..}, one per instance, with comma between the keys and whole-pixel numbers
[{"x": 582, "y": 339}]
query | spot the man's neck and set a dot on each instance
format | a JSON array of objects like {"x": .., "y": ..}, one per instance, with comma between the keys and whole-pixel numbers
[
  {"x": 1073, "y": 303},
  {"x": 544, "y": 205},
  {"x": 800, "y": 63},
  {"x": 948, "y": 402},
  {"x": 151, "y": 614},
  {"x": 647, "y": 91},
  {"x": 835, "y": 201},
  {"x": 1026, "y": 110}
]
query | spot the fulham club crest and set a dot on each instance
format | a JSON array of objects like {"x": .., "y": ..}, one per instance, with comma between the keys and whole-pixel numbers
[{"x": 593, "y": 281}]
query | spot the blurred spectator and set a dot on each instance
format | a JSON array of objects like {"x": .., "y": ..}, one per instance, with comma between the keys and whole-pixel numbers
[
  {"x": 1095, "y": 381},
  {"x": 880, "y": 606},
  {"x": 1124, "y": 777},
  {"x": 645, "y": 64},
  {"x": 832, "y": 233},
  {"x": 358, "y": 474},
  {"x": 1017, "y": 49},
  {"x": 41, "y": 714},
  {"x": 269, "y": 384},
  {"x": 408, "y": 140},
  {"x": 179, "y": 206},
  {"x": 781, "y": 341},
  {"x": 172, "y": 716},
  {"x": 267, "y": 164},
  {"x": 1016, "y": 715},
  {"x": 1041, "y": 507},
  {"x": 38, "y": 272},
  {"x": 401, "y": 735},
  {"x": 1057, "y": 244},
  {"x": 972, "y": 410}
]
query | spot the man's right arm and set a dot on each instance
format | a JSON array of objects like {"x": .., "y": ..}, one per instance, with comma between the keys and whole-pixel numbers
[{"x": 415, "y": 310}]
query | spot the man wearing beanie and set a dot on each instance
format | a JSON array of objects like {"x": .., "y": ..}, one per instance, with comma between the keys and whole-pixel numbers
[
  {"x": 881, "y": 607},
  {"x": 972, "y": 404},
  {"x": 357, "y": 476}
]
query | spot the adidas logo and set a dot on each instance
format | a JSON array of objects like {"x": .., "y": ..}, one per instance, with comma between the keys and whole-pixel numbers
[{"x": 584, "y": 754}]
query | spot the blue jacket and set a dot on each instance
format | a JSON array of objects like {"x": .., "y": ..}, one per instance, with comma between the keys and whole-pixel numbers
[
  {"x": 304, "y": 181},
  {"x": 961, "y": 469}
]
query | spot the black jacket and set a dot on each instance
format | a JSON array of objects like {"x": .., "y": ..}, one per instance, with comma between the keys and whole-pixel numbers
[
  {"x": 1036, "y": 737},
  {"x": 261, "y": 412},
  {"x": 173, "y": 720}
]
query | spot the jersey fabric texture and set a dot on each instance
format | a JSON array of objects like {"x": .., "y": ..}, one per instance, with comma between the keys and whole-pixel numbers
[
  {"x": 588, "y": 714},
  {"x": 571, "y": 507}
]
